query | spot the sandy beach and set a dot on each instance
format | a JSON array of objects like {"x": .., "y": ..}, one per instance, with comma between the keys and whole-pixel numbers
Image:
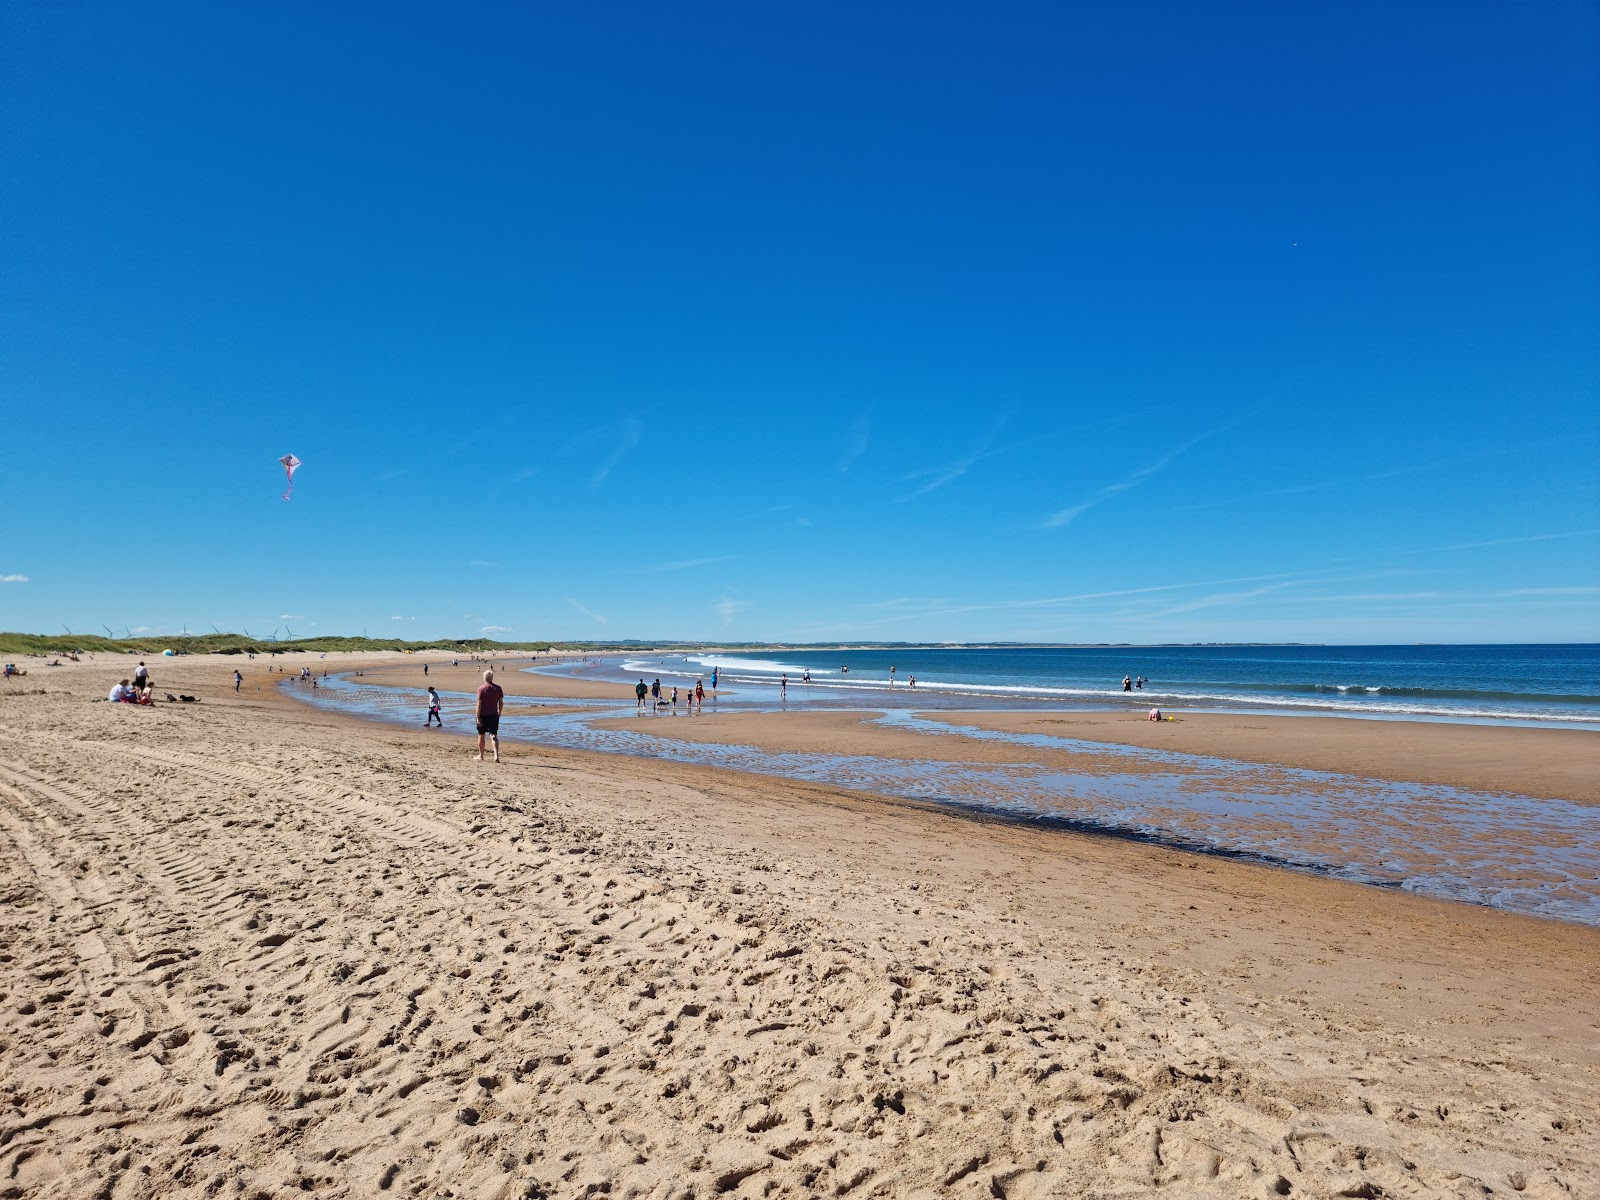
[{"x": 249, "y": 947}]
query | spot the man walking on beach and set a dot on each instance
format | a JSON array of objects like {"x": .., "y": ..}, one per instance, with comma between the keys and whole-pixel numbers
[
  {"x": 237, "y": 680},
  {"x": 141, "y": 677},
  {"x": 490, "y": 701},
  {"x": 433, "y": 710},
  {"x": 639, "y": 692}
]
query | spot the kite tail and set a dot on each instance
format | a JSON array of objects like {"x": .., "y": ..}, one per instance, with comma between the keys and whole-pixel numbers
[{"x": 288, "y": 489}]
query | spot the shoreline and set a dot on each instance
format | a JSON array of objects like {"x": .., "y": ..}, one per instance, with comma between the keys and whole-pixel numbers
[{"x": 1548, "y": 762}]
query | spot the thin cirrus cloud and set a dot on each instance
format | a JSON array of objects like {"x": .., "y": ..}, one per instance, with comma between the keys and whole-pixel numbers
[
  {"x": 1065, "y": 516},
  {"x": 495, "y": 629},
  {"x": 855, "y": 443},
  {"x": 618, "y": 438},
  {"x": 937, "y": 477},
  {"x": 727, "y": 609},
  {"x": 919, "y": 611},
  {"x": 686, "y": 564},
  {"x": 1515, "y": 541},
  {"x": 13, "y": 579},
  {"x": 591, "y": 614}
]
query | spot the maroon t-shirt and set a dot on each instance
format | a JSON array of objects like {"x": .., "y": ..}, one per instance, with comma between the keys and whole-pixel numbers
[{"x": 489, "y": 699}]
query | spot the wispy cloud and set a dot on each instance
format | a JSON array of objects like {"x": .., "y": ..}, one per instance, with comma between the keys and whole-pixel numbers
[
  {"x": 483, "y": 562},
  {"x": 938, "y": 476},
  {"x": 13, "y": 579},
  {"x": 727, "y": 609},
  {"x": 1066, "y": 516},
  {"x": 855, "y": 442},
  {"x": 1219, "y": 599},
  {"x": 290, "y": 617},
  {"x": 1046, "y": 602},
  {"x": 618, "y": 438},
  {"x": 687, "y": 564},
  {"x": 1400, "y": 472},
  {"x": 1554, "y": 591},
  {"x": 593, "y": 616},
  {"x": 402, "y": 618},
  {"x": 1537, "y": 537},
  {"x": 495, "y": 629}
]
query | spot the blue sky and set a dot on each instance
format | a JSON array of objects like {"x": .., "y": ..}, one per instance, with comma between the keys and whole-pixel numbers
[{"x": 1142, "y": 322}]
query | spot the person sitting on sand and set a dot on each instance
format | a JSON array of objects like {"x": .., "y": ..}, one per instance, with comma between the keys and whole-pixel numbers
[{"x": 121, "y": 693}]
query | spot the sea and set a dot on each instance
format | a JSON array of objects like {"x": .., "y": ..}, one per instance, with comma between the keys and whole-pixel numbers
[{"x": 1516, "y": 684}]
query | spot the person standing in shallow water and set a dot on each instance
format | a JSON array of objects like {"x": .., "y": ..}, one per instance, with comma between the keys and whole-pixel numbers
[
  {"x": 491, "y": 700},
  {"x": 639, "y": 692},
  {"x": 1127, "y": 684},
  {"x": 433, "y": 710}
]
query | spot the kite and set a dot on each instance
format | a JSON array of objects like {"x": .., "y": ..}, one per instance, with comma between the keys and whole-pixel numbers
[{"x": 290, "y": 462}]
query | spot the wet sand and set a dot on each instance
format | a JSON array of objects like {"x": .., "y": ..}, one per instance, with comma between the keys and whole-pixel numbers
[{"x": 251, "y": 947}]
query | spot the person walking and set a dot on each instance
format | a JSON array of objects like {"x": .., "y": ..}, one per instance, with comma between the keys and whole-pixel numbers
[
  {"x": 639, "y": 692},
  {"x": 141, "y": 677},
  {"x": 491, "y": 701},
  {"x": 714, "y": 671},
  {"x": 424, "y": 670},
  {"x": 433, "y": 710},
  {"x": 783, "y": 687},
  {"x": 700, "y": 695},
  {"x": 237, "y": 680},
  {"x": 655, "y": 697}
]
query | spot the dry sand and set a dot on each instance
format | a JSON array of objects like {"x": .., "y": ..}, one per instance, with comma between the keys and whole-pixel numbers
[{"x": 252, "y": 948}]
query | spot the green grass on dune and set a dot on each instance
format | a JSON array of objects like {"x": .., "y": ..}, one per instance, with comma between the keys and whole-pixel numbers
[{"x": 237, "y": 643}]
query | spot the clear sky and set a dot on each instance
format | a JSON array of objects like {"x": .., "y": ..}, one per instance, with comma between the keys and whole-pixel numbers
[{"x": 1042, "y": 321}]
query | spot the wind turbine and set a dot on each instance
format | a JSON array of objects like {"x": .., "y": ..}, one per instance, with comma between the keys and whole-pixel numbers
[
  {"x": 109, "y": 633},
  {"x": 288, "y": 633},
  {"x": 126, "y": 632},
  {"x": 247, "y": 632}
]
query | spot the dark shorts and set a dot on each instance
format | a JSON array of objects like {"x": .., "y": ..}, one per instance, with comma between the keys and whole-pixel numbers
[{"x": 489, "y": 723}]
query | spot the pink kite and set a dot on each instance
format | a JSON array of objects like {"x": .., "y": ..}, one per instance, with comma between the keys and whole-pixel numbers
[{"x": 290, "y": 462}]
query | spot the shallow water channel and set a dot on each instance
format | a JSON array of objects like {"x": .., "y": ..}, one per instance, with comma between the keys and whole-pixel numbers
[{"x": 1525, "y": 855}]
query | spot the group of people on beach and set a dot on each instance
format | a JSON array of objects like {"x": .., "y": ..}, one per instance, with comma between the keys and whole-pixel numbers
[
  {"x": 137, "y": 691},
  {"x": 1130, "y": 682},
  {"x": 696, "y": 696}
]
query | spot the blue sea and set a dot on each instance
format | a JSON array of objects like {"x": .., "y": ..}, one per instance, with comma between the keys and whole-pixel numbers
[{"x": 1540, "y": 684}]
